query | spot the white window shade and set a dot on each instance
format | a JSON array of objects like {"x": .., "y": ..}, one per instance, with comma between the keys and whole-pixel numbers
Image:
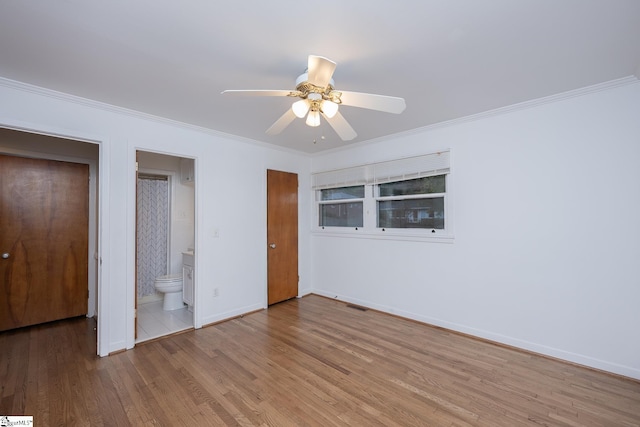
[
  {"x": 378, "y": 173},
  {"x": 340, "y": 178},
  {"x": 410, "y": 168}
]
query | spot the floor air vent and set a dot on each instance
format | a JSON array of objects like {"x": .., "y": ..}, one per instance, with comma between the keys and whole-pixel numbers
[{"x": 357, "y": 307}]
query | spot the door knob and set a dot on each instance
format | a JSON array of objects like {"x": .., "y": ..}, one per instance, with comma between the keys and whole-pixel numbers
[
  {"x": 6, "y": 254},
  {"x": 272, "y": 246}
]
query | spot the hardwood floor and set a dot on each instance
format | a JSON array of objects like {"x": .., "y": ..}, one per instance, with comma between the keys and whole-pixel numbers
[{"x": 306, "y": 362}]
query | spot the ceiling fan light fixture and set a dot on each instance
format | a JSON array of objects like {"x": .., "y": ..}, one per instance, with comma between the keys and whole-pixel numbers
[
  {"x": 329, "y": 108},
  {"x": 316, "y": 96},
  {"x": 313, "y": 119},
  {"x": 300, "y": 108}
]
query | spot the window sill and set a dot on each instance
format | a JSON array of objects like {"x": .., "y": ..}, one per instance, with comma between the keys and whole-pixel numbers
[{"x": 401, "y": 235}]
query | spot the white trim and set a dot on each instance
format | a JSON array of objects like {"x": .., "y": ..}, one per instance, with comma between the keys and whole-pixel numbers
[
  {"x": 232, "y": 313},
  {"x": 598, "y": 87},
  {"x": 627, "y": 371},
  {"x": 410, "y": 235},
  {"x": 103, "y": 247},
  {"x": 38, "y": 90},
  {"x": 26, "y": 87}
]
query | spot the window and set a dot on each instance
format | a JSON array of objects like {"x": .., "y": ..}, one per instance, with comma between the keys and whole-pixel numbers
[
  {"x": 341, "y": 207},
  {"x": 415, "y": 203},
  {"x": 398, "y": 199}
]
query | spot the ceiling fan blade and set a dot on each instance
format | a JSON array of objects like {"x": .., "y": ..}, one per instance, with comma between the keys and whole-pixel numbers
[
  {"x": 388, "y": 104},
  {"x": 257, "y": 92},
  {"x": 320, "y": 70},
  {"x": 341, "y": 126},
  {"x": 284, "y": 121}
]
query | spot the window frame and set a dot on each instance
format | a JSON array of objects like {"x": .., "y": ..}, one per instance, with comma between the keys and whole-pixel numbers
[
  {"x": 362, "y": 175},
  {"x": 420, "y": 196},
  {"x": 417, "y": 231},
  {"x": 320, "y": 202}
]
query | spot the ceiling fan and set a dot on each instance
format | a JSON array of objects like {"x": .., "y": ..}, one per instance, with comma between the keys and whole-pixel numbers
[{"x": 319, "y": 98}]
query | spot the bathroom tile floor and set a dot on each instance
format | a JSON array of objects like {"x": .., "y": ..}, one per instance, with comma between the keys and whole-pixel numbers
[{"x": 154, "y": 322}]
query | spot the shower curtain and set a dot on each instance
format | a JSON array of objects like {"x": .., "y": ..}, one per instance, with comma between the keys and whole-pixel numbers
[{"x": 152, "y": 231}]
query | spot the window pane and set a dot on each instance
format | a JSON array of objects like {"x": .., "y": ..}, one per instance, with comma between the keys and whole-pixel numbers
[
  {"x": 342, "y": 193},
  {"x": 426, "y": 185},
  {"x": 341, "y": 214},
  {"x": 411, "y": 213}
]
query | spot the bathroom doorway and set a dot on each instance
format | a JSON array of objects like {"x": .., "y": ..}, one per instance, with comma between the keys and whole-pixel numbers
[{"x": 165, "y": 240}]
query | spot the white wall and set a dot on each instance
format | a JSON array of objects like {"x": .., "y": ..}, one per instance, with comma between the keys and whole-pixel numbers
[
  {"x": 230, "y": 193},
  {"x": 546, "y": 207},
  {"x": 546, "y": 217}
]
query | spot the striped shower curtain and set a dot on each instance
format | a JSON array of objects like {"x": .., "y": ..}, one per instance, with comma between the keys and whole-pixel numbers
[{"x": 152, "y": 231}]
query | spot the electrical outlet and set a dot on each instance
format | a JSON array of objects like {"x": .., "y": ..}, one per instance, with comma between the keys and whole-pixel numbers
[{"x": 216, "y": 292}]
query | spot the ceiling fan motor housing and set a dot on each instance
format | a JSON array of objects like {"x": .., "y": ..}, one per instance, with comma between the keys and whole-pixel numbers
[{"x": 305, "y": 89}]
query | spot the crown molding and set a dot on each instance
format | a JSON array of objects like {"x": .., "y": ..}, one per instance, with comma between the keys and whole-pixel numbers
[
  {"x": 53, "y": 94},
  {"x": 26, "y": 87},
  {"x": 599, "y": 87}
]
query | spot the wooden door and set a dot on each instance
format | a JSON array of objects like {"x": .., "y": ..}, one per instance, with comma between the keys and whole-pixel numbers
[
  {"x": 44, "y": 227},
  {"x": 282, "y": 236}
]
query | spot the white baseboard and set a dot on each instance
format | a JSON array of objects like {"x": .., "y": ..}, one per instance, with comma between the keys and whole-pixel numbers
[
  {"x": 227, "y": 315},
  {"x": 556, "y": 353}
]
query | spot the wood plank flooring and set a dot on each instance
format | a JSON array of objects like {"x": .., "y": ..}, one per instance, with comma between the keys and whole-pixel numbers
[{"x": 305, "y": 362}]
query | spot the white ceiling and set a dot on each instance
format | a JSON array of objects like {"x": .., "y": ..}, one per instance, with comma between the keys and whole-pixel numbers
[{"x": 447, "y": 58}]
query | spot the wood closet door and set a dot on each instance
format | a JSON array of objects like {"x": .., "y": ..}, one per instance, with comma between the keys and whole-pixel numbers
[
  {"x": 44, "y": 227},
  {"x": 282, "y": 236}
]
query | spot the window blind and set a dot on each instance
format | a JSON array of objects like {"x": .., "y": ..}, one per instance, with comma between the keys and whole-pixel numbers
[
  {"x": 340, "y": 178},
  {"x": 389, "y": 171}
]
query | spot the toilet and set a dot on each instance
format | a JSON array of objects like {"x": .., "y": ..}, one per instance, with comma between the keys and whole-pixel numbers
[{"x": 171, "y": 286}]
